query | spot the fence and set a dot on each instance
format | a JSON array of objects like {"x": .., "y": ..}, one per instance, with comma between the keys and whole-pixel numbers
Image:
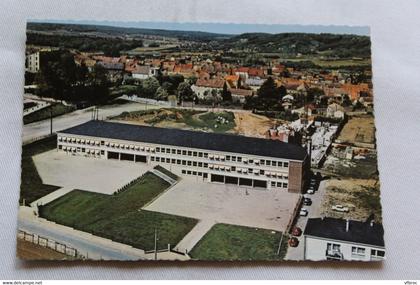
[{"x": 49, "y": 243}]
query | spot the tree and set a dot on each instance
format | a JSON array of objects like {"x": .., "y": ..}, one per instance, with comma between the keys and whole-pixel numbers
[
  {"x": 313, "y": 94},
  {"x": 226, "y": 94},
  {"x": 150, "y": 86},
  {"x": 161, "y": 94},
  {"x": 185, "y": 92},
  {"x": 269, "y": 90}
]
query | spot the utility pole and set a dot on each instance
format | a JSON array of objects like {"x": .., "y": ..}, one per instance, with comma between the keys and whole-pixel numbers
[
  {"x": 155, "y": 243},
  {"x": 51, "y": 119}
]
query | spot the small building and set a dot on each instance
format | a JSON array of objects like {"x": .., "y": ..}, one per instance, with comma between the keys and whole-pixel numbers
[
  {"x": 144, "y": 72},
  {"x": 204, "y": 86},
  {"x": 339, "y": 239}
]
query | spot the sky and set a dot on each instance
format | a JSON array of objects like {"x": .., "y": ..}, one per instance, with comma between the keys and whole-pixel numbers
[{"x": 226, "y": 28}]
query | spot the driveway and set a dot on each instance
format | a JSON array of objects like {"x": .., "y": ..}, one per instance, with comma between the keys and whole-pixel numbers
[
  {"x": 91, "y": 174},
  {"x": 218, "y": 203}
]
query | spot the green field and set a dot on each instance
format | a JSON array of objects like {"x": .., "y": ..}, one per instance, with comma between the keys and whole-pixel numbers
[
  {"x": 167, "y": 117},
  {"x": 31, "y": 187},
  {"x": 120, "y": 217},
  {"x": 229, "y": 242},
  {"x": 56, "y": 109}
]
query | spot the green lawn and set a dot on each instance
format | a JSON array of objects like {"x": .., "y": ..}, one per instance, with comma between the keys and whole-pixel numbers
[
  {"x": 31, "y": 187},
  {"x": 230, "y": 242},
  {"x": 119, "y": 217},
  {"x": 45, "y": 113}
]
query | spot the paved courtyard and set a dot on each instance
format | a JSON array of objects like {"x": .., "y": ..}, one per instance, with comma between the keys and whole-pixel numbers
[
  {"x": 215, "y": 203},
  {"x": 91, "y": 174}
]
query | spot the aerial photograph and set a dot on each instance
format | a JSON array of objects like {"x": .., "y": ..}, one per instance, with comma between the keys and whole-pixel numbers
[{"x": 214, "y": 142}]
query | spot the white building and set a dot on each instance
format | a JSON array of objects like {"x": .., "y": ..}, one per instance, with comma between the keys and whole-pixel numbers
[
  {"x": 33, "y": 62},
  {"x": 338, "y": 239},
  {"x": 144, "y": 72},
  {"x": 218, "y": 158}
]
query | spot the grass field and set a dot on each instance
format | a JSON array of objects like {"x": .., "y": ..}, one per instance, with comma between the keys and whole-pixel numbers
[
  {"x": 31, "y": 187},
  {"x": 230, "y": 242},
  {"x": 45, "y": 113},
  {"x": 120, "y": 217},
  {"x": 358, "y": 130},
  {"x": 190, "y": 119}
]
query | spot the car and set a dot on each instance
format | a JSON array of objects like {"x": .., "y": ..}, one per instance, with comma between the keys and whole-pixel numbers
[
  {"x": 310, "y": 191},
  {"x": 293, "y": 242},
  {"x": 307, "y": 201},
  {"x": 296, "y": 231},
  {"x": 303, "y": 212},
  {"x": 340, "y": 208}
]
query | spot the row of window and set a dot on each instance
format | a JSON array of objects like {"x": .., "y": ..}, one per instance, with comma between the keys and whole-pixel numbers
[
  {"x": 356, "y": 250},
  {"x": 278, "y": 184},
  {"x": 222, "y": 157},
  {"x": 83, "y": 150},
  {"x": 195, "y": 173},
  {"x": 218, "y": 167},
  {"x": 200, "y": 154}
]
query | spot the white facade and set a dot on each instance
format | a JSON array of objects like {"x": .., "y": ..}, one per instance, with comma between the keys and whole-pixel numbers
[
  {"x": 213, "y": 166},
  {"x": 33, "y": 62},
  {"x": 317, "y": 249},
  {"x": 201, "y": 91}
]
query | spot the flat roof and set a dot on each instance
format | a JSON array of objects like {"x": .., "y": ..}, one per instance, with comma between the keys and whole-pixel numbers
[
  {"x": 190, "y": 139},
  {"x": 359, "y": 232}
]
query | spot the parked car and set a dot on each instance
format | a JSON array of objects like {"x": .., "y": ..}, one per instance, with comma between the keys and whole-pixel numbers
[
  {"x": 303, "y": 212},
  {"x": 307, "y": 201},
  {"x": 340, "y": 208},
  {"x": 293, "y": 242},
  {"x": 296, "y": 231},
  {"x": 310, "y": 191}
]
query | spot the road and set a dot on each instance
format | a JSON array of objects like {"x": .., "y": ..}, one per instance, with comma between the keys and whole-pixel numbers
[
  {"x": 314, "y": 211},
  {"x": 42, "y": 128}
]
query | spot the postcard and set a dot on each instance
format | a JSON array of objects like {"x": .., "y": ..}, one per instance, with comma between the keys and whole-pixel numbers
[{"x": 145, "y": 143}]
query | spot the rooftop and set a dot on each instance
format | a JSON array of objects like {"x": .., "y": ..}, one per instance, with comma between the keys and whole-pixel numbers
[
  {"x": 359, "y": 232},
  {"x": 189, "y": 139}
]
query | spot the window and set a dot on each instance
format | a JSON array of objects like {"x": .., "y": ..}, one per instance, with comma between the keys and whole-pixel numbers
[
  {"x": 60, "y": 147},
  {"x": 158, "y": 159},
  {"x": 195, "y": 153},
  {"x": 206, "y": 155},
  {"x": 200, "y": 164},
  {"x": 273, "y": 184},
  {"x": 280, "y": 164},
  {"x": 184, "y": 162},
  {"x": 205, "y": 175},
  {"x": 333, "y": 247},
  {"x": 268, "y": 162},
  {"x": 102, "y": 152},
  {"x": 173, "y": 151},
  {"x": 227, "y": 157},
  {"x": 200, "y": 154},
  {"x": 189, "y": 163},
  {"x": 251, "y": 161},
  {"x": 152, "y": 158},
  {"x": 284, "y": 185},
  {"x": 278, "y": 184},
  {"x": 250, "y": 170},
  {"x": 102, "y": 142},
  {"x": 168, "y": 150},
  {"x": 200, "y": 173},
  {"x": 262, "y": 161},
  {"x": 239, "y": 159},
  {"x": 189, "y": 153},
  {"x": 183, "y": 171},
  {"x": 377, "y": 253},
  {"x": 178, "y": 151},
  {"x": 194, "y": 173},
  {"x": 184, "y": 152},
  {"x": 233, "y": 168},
  {"x": 189, "y": 172},
  {"x": 168, "y": 160},
  {"x": 206, "y": 165},
  {"x": 274, "y": 163},
  {"x": 233, "y": 158},
  {"x": 178, "y": 161},
  {"x": 262, "y": 172},
  {"x": 194, "y": 163},
  {"x": 158, "y": 149},
  {"x": 286, "y": 164},
  {"x": 173, "y": 160},
  {"x": 358, "y": 250}
]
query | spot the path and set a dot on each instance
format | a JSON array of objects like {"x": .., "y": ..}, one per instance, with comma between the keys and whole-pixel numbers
[
  {"x": 194, "y": 236},
  {"x": 91, "y": 246},
  {"x": 50, "y": 197},
  {"x": 163, "y": 176}
]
